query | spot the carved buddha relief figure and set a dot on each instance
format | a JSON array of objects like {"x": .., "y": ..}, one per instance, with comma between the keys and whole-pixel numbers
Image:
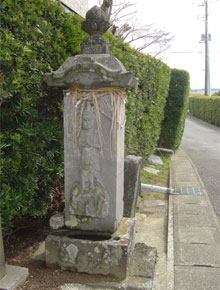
[
  {"x": 90, "y": 147},
  {"x": 89, "y": 197}
]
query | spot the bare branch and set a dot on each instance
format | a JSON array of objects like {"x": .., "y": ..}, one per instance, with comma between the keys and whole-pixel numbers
[{"x": 141, "y": 37}]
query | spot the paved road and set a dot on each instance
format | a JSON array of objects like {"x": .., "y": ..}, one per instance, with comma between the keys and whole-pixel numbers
[{"x": 201, "y": 142}]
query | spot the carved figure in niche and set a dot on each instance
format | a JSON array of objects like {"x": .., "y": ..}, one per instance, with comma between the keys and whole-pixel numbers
[
  {"x": 90, "y": 147},
  {"x": 89, "y": 198}
]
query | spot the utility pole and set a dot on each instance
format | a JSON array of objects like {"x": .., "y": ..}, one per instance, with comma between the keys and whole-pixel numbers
[{"x": 207, "y": 69}]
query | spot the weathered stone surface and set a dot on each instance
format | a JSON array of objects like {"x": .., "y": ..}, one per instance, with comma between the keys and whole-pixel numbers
[
  {"x": 93, "y": 254},
  {"x": 132, "y": 170},
  {"x": 151, "y": 170},
  {"x": 39, "y": 255},
  {"x": 130, "y": 283},
  {"x": 94, "y": 121},
  {"x": 143, "y": 261},
  {"x": 90, "y": 71},
  {"x": 57, "y": 221},
  {"x": 94, "y": 162},
  {"x": 15, "y": 277},
  {"x": 155, "y": 160},
  {"x": 96, "y": 24},
  {"x": 95, "y": 44}
]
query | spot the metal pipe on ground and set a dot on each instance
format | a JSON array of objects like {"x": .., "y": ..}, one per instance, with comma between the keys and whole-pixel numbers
[
  {"x": 165, "y": 150},
  {"x": 155, "y": 188}
]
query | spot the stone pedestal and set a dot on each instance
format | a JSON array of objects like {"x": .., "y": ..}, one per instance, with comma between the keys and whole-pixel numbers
[
  {"x": 94, "y": 254},
  {"x": 11, "y": 277}
]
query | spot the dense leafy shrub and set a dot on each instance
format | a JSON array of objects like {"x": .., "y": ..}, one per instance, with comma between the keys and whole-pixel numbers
[
  {"x": 205, "y": 108},
  {"x": 36, "y": 37},
  {"x": 175, "y": 110},
  {"x": 145, "y": 106}
]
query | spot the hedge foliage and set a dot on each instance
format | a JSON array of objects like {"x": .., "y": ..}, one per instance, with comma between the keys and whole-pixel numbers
[
  {"x": 36, "y": 37},
  {"x": 205, "y": 108},
  {"x": 145, "y": 106},
  {"x": 175, "y": 110}
]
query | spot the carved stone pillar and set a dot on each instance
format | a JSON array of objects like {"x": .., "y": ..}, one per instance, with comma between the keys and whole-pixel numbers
[
  {"x": 90, "y": 237},
  {"x": 94, "y": 121}
]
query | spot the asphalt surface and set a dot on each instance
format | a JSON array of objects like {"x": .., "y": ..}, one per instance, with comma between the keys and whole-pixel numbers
[{"x": 201, "y": 142}]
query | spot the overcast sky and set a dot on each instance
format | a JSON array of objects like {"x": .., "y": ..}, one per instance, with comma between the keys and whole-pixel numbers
[{"x": 184, "y": 19}]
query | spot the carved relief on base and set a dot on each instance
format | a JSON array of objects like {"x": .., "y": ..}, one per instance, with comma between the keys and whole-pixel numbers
[{"x": 92, "y": 203}]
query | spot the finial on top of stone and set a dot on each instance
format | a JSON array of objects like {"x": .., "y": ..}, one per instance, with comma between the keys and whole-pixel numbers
[{"x": 95, "y": 25}]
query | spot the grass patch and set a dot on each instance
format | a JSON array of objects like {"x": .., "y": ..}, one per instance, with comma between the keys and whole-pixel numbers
[{"x": 161, "y": 179}]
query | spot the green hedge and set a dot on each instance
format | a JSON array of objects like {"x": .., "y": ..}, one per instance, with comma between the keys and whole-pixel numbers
[
  {"x": 205, "y": 108},
  {"x": 145, "y": 106},
  {"x": 36, "y": 37},
  {"x": 175, "y": 110}
]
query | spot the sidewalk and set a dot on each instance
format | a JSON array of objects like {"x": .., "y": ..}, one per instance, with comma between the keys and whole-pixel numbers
[{"x": 193, "y": 231}]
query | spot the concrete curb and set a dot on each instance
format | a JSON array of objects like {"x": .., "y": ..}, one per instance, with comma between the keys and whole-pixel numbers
[{"x": 170, "y": 233}]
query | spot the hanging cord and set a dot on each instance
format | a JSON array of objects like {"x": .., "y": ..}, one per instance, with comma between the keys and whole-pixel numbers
[{"x": 80, "y": 97}]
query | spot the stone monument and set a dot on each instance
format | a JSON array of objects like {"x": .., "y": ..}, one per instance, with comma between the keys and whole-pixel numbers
[
  {"x": 11, "y": 277},
  {"x": 91, "y": 236}
]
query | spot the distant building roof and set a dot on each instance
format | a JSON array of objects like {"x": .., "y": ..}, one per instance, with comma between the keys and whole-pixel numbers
[{"x": 78, "y": 6}]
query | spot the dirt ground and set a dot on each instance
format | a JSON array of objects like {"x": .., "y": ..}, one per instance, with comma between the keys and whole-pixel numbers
[
  {"x": 19, "y": 248},
  {"x": 21, "y": 242}
]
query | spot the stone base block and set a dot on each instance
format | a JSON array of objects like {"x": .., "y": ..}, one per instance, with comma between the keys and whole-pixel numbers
[
  {"x": 143, "y": 261},
  {"x": 92, "y": 253},
  {"x": 15, "y": 277}
]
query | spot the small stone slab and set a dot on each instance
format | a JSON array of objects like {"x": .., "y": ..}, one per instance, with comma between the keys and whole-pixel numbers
[
  {"x": 130, "y": 283},
  {"x": 15, "y": 277},
  {"x": 155, "y": 160},
  {"x": 151, "y": 170},
  {"x": 143, "y": 261},
  {"x": 132, "y": 183},
  {"x": 39, "y": 255},
  {"x": 86, "y": 252},
  {"x": 153, "y": 207}
]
